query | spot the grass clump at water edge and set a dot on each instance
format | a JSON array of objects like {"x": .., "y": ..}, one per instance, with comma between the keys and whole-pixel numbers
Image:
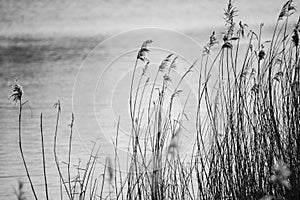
[{"x": 252, "y": 121}]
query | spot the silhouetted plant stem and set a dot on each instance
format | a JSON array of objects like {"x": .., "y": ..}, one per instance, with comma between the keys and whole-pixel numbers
[
  {"x": 44, "y": 159},
  {"x": 57, "y": 105},
  {"x": 69, "y": 155},
  {"x": 21, "y": 149}
]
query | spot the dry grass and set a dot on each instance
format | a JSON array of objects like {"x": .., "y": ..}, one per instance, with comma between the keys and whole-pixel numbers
[{"x": 252, "y": 122}]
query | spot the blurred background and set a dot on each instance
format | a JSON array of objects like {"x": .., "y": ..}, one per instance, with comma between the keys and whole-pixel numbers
[{"x": 91, "y": 17}]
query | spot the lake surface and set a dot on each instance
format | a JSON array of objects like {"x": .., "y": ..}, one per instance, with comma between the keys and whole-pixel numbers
[
  {"x": 62, "y": 50},
  {"x": 93, "y": 84}
]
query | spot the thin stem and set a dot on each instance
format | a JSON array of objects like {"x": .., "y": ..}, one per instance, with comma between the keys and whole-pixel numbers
[
  {"x": 21, "y": 149},
  {"x": 69, "y": 157},
  {"x": 44, "y": 159}
]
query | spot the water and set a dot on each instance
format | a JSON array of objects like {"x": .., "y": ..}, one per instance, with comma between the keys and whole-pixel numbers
[
  {"x": 91, "y": 17},
  {"x": 46, "y": 70},
  {"x": 44, "y": 43}
]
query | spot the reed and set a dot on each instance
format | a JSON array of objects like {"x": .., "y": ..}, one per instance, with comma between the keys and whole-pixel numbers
[
  {"x": 17, "y": 97},
  {"x": 247, "y": 144},
  {"x": 252, "y": 115}
]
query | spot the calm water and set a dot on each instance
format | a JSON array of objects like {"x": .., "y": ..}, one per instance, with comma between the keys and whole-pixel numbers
[
  {"x": 97, "y": 93},
  {"x": 48, "y": 46}
]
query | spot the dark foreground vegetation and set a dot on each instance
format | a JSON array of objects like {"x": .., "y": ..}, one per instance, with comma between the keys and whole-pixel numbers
[{"x": 252, "y": 123}]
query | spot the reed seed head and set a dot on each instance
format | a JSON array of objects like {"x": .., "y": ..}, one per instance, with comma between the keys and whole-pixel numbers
[
  {"x": 287, "y": 9},
  {"x": 17, "y": 92},
  {"x": 142, "y": 54}
]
